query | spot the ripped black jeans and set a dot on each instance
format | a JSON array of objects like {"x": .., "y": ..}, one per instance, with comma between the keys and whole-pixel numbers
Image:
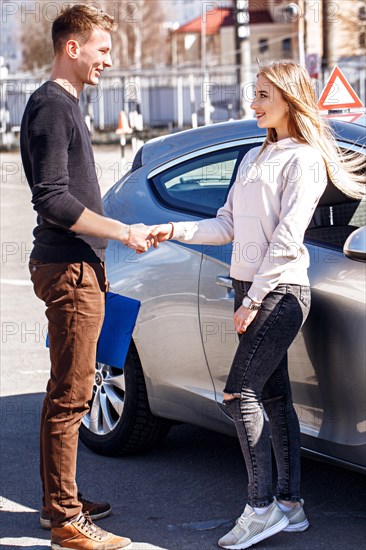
[{"x": 263, "y": 411}]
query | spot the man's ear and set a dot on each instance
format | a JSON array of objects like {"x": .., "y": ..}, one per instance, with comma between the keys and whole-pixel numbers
[{"x": 72, "y": 48}]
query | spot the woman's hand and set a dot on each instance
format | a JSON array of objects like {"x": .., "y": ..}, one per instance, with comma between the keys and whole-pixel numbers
[
  {"x": 242, "y": 318},
  {"x": 162, "y": 232},
  {"x": 157, "y": 234},
  {"x": 140, "y": 237}
]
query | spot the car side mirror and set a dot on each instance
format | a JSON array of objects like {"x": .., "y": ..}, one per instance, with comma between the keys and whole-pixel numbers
[{"x": 355, "y": 245}]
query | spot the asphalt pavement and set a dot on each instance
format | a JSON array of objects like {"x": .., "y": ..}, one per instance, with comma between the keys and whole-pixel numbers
[{"x": 183, "y": 495}]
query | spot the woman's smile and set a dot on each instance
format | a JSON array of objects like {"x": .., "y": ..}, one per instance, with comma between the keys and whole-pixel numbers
[{"x": 271, "y": 110}]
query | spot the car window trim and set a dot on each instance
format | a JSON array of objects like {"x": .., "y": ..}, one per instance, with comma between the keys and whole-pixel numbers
[
  {"x": 228, "y": 144},
  {"x": 204, "y": 151},
  {"x": 352, "y": 146},
  {"x": 254, "y": 140},
  {"x": 200, "y": 210}
]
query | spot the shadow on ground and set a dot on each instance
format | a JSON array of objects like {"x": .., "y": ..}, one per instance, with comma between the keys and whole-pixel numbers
[{"x": 183, "y": 495}]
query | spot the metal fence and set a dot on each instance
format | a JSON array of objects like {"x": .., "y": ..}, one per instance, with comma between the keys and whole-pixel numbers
[{"x": 160, "y": 98}]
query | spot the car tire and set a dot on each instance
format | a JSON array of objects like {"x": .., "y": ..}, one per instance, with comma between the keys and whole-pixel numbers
[{"x": 120, "y": 421}]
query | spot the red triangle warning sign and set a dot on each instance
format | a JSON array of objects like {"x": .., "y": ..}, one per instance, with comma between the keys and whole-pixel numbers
[{"x": 338, "y": 93}]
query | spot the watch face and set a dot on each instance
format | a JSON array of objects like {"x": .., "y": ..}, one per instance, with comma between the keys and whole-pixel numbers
[{"x": 247, "y": 302}]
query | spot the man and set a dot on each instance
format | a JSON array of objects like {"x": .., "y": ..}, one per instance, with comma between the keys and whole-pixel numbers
[{"x": 66, "y": 263}]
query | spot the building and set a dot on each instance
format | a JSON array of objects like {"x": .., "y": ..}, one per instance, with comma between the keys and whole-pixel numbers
[
  {"x": 213, "y": 35},
  {"x": 327, "y": 31},
  {"x": 310, "y": 31}
]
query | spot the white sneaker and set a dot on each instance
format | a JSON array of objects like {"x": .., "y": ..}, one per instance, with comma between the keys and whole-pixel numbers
[
  {"x": 252, "y": 528},
  {"x": 297, "y": 519}
]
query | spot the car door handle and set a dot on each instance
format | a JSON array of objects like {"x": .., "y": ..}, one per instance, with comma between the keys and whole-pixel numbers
[{"x": 224, "y": 280}]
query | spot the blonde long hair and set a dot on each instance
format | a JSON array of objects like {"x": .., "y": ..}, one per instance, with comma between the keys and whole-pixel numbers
[{"x": 306, "y": 125}]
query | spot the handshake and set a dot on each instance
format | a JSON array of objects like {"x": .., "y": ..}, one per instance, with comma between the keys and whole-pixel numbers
[{"x": 141, "y": 237}]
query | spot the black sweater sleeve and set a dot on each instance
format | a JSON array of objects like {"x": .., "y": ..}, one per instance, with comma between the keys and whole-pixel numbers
[{"x": 50, "y": 130}]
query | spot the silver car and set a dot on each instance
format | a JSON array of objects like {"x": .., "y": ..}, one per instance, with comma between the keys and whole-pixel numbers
[{"x": 184, "y": 340}]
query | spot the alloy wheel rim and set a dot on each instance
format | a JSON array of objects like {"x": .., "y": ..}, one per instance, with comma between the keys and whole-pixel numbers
[{"x": 108, "y": 400}]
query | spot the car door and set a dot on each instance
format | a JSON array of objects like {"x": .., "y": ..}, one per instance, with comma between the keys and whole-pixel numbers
[
  {"x": 194, "y": 186},
  {"x": 326, "y": 360},
  {"x": 216, "y": 297}
]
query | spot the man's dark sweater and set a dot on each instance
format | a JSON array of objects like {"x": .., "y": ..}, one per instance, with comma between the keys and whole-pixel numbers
[{"x": 59, "y": 165}]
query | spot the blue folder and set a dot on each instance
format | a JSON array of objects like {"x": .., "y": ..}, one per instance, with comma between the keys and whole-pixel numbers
[
  {"x": 119, "y": 322},
  {"x": 118, "y": 325}
]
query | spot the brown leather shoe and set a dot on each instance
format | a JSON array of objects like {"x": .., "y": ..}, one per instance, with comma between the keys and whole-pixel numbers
[
  {"x": 96, "y": 510},
  {"x": 82, "y": 534}
]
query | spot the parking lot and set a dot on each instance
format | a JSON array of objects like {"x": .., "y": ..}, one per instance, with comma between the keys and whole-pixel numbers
[{"x": 181, "y": 496}]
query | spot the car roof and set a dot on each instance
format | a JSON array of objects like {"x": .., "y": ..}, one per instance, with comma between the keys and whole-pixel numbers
[
  {"x": 179, "y": 143},
  {"x": 174, "y": 145}
]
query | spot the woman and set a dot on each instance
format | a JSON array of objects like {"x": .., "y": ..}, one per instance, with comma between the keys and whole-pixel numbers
[{"x": 267, "y": 211}]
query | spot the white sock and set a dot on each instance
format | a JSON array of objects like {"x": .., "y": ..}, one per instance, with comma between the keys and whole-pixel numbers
[
  {"x": 283, "y": 507},
  {"x": 261, "y": 511}
]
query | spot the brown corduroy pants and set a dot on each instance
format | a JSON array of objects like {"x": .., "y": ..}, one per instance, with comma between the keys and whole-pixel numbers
[{"x": 74, "y": 295}]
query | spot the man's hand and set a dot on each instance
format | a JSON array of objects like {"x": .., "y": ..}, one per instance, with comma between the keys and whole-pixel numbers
[
  {"x": 140, "y": 237},
  {"x": 162, "y": 232},
  {"x": 242, "y": 318}
]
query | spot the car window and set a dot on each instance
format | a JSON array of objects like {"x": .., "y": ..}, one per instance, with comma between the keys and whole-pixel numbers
[
  {"x": 200, "y": 185},
  {"x": 335, "y": 218}
]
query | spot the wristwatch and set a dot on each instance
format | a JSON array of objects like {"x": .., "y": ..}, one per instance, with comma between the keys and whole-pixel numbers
[{"x": 249, "y": 304}]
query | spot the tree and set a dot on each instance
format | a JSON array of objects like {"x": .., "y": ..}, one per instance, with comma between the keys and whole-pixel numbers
[
  {"x": 353, "y": 20},
  {"x": 35, "y": 36},
  {"x": 140, "y": 40}
]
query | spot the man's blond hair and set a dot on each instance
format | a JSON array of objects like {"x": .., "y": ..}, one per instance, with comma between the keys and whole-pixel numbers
[{"x": 78, "y": 22}]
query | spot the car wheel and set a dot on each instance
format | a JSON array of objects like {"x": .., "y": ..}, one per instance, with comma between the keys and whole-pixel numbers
[{"x": 120, "y": 421}]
